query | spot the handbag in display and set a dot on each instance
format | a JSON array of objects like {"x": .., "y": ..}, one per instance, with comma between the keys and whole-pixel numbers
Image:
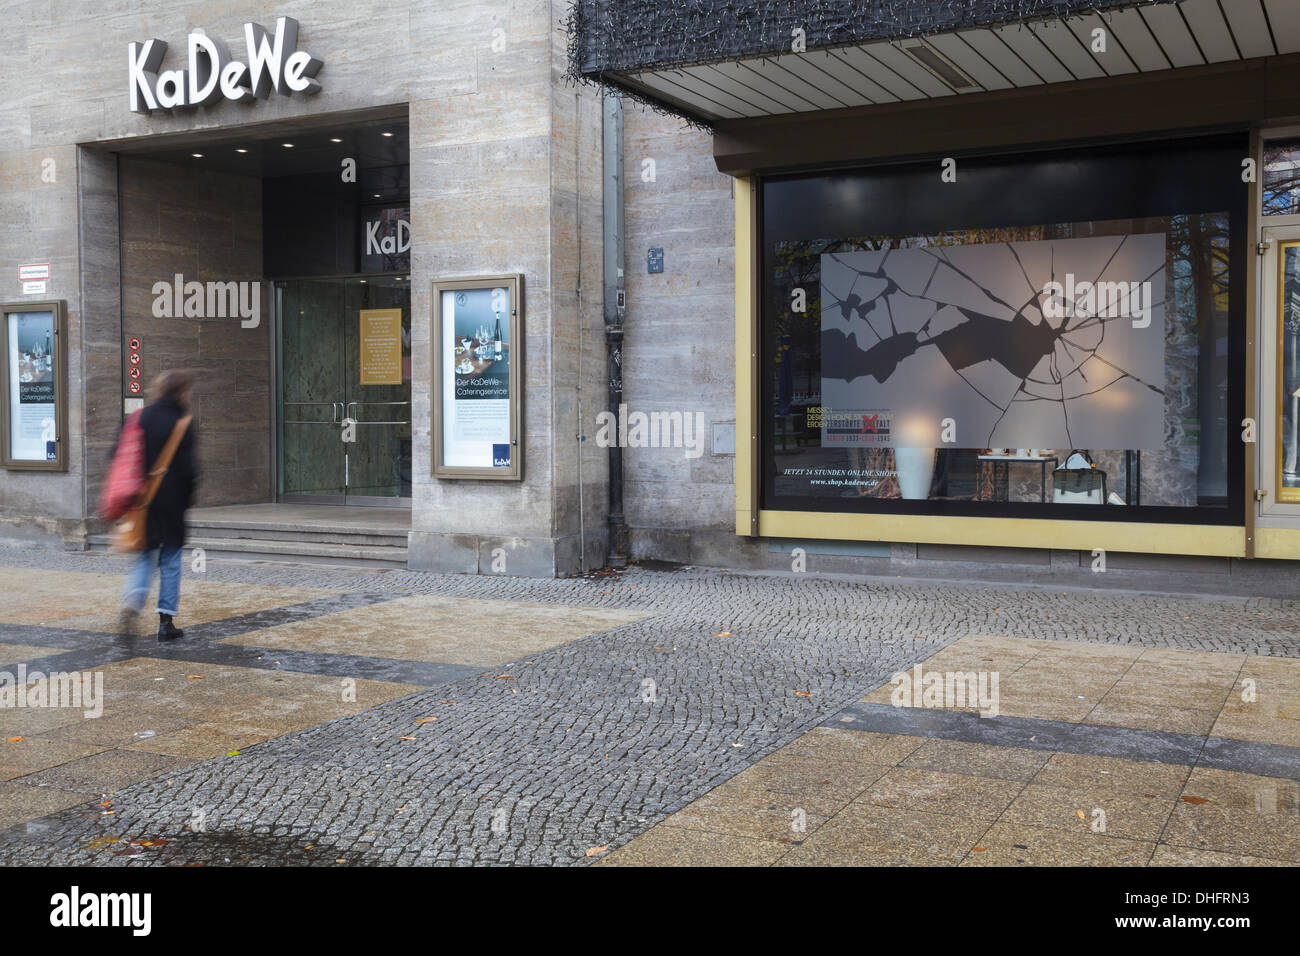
[
  {"x": 130, "y": 534},
  {"x": 1079, "y": 481}
]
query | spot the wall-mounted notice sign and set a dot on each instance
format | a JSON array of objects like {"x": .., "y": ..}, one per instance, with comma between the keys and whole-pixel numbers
[
  {"x": 33, "y": 387},
  {"x": 477, "y": 363},
  {"x": 381, "y": 347}
]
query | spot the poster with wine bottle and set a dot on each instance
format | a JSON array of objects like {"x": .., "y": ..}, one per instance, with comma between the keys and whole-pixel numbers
[
  {"x": 476, "y": 376},
  {"x": 33, "y": 387}
]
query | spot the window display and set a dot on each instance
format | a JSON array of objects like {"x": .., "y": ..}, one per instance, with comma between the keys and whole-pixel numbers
[{"x": 995, "y": 358}]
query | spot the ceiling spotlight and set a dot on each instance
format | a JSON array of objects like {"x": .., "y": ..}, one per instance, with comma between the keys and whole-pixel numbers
[
  {"x": 385, "y": 134},
  {"x": 197, "y": 155},
  {"x": 241, "y": 150},
  {"x": 287, "y": 145},
  {"x": 335, "y": 139},
  {"x": 377, "y": 195},
  {"x": 363, "y": 281}
]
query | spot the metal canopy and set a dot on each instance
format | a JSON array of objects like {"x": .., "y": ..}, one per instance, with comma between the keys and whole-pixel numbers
[{"x": 1139, "y": 38}]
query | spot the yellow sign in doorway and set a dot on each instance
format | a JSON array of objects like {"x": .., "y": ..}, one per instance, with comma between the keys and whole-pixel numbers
[{"x": 381, "y": 347}]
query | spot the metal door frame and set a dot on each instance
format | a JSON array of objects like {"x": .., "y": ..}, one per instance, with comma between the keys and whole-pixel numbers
[{"x": 277, "y": 431}]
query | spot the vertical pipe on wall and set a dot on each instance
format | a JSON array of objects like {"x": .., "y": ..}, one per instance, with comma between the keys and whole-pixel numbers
[{"x": 615, "y": 307}]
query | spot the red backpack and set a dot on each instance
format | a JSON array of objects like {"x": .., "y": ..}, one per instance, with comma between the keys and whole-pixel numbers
[{"x": 126, "y": 477}]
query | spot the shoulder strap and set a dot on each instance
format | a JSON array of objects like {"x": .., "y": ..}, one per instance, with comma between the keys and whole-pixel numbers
[{"x": 164, "y": 461}]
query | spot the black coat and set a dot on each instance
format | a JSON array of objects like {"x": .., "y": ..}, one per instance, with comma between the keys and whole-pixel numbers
[{"x": 176, "y": 493}]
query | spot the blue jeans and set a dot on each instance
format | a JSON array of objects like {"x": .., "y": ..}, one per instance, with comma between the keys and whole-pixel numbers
[{"x": 140, "y": 576}]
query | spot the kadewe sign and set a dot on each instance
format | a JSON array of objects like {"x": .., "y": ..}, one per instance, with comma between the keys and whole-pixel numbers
[{"x": 274, "y": 62}]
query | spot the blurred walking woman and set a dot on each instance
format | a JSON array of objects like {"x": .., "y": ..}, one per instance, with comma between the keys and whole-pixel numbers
[{"x": 166, "y": 427}]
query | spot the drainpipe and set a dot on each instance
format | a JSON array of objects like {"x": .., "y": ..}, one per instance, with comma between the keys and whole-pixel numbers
[{"x": 615, "y": 307}]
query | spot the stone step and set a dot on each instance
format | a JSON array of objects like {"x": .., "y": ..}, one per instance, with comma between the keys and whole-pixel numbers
[
  {"x": 315, "y": 532},
  {"x": 289, "y": 551}
]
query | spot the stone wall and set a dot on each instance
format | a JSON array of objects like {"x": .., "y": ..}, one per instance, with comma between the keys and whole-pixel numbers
[
  {"x": 206, "y": 226},
  {"x": 680, "y": 336}
]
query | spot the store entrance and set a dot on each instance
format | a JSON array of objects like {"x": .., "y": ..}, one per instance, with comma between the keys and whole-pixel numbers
[{"x": 343, "y": 348}]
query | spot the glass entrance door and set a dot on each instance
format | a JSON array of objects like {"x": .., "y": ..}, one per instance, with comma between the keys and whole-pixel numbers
[{"x": 344, "y": 417}]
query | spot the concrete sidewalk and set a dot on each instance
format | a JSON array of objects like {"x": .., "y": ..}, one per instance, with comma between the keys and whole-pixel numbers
[{"x": 331, "y": 716}]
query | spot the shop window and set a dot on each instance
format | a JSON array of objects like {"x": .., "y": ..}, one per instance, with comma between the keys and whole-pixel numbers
[
  {"x": 1281, "y": 182},
  {"x": 1288, "y": 351},
  {"x": 1050, "y": 335}
]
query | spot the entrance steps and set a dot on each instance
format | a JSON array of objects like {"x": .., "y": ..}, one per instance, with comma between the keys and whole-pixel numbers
[{"x": 342, "y": 536}]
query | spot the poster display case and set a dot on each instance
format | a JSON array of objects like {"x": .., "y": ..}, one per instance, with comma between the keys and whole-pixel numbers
[
  {"x": 33, "y": 383},
  {"x": 477, "y": 385}
]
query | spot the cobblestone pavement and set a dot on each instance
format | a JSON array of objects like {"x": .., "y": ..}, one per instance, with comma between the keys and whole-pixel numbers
[{"x": 547, "y": 758}]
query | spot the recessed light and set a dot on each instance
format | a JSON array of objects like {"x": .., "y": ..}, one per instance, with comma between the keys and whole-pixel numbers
[
  {"x": 197, "y": 155},
  {"x": 335, "y": 139},
  {"x": 241, "y": 150},
  {"x": 385, "y": 134},
  {"x": 941, "y": 67},
  {"x": 377, "y": 195},
  {"x": 287, "y": 145},
  {"x": 363, "y": 281}
]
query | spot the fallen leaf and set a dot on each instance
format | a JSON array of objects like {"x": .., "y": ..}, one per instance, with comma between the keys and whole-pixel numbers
[
  {"x": 505, "y": 677},
  {"x": 194, "y": 677},
  {"x": 597, "y": 850},
  {"x": 405, "y": 738},
  {"x": 1196, "y": 800},
  {"x": 723, "y": 634},
  {"x": 14, "y": 740},
  {"x": 979, "y": 849},
  {"x": 424, "y": 720},
  {"x": 1080, "y": 814},
  {"x": 802, "y": 693},
  {"x": 232, "y": 753},
  {"x": 452, "y": 703}
]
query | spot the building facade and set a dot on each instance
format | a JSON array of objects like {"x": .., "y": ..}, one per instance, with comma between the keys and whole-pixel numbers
[
  {"x": 424, "y": 142},
  {"x": 1012, "y": 280},
  {"x": 514, "y": 286}
]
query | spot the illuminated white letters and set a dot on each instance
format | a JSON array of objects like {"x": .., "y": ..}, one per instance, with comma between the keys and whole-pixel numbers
[{"x": 274, "y": 63}]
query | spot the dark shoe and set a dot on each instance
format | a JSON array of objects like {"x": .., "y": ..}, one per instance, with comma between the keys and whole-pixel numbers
[
  {"x": 167, "y": 631},
  {"x": 126, "y": 621}
]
